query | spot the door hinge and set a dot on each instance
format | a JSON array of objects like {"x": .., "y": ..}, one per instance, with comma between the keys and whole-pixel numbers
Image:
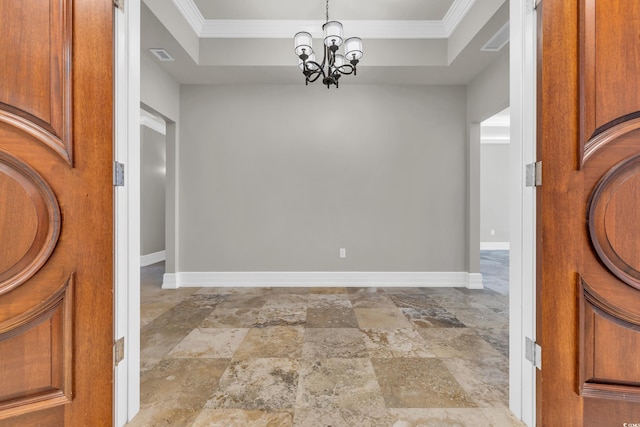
[
  {"x": 118, "y": 351},
  {"x": 119, "y": 4},
  {"x": 118, "y": 174},
  {"x": 534, "y": 174},
  {"x": 533, "y": 352}
]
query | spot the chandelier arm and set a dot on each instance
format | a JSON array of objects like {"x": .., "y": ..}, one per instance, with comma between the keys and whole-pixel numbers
[
  {"x": 326, "y": 58},
  {"x": 314, "y": 76},
  {"x": 346, "y": 69},
  {"x": 307, "y": 68}
]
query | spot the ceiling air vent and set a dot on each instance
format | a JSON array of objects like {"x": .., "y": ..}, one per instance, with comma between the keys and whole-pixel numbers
[
  {"x": 498, "y": 40},
  {"x": 161, "y": 54}
]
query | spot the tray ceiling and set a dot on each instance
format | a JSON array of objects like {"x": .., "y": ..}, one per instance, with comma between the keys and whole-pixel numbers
[{"x": 243, "y": 41}]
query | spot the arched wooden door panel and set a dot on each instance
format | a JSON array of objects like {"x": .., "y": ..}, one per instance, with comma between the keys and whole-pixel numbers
[
  {"x": 56, "y": 213},
  {"x": 589, "y": 213}
]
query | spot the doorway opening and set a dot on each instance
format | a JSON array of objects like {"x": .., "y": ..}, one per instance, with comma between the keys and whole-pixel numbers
[
  {"x": 494, "y": 201},
  {"x": 519, "y": 112}
]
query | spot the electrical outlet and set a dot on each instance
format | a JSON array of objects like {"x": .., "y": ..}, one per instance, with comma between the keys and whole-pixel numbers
[
  {"x": 343, "y": 253},
  {"x": 493, "y": 232}
]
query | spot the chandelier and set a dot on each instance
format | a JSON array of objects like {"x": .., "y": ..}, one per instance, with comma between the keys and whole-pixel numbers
[{"x": 333, "y": 64}]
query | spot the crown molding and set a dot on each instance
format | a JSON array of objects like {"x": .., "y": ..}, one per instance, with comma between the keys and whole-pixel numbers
[
  {"x": 369, "y": 29},
  {"x": 455, "y": 15},
  {"x": 191, "y": 13}
]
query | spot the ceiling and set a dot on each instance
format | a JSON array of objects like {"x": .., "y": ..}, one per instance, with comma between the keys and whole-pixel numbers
[{"x": 243, "y": 41}]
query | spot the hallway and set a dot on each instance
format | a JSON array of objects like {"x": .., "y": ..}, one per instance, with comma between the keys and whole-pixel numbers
[{"x": 322, "y": 356}]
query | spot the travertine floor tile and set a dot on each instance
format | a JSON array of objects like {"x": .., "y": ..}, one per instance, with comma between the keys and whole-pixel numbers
[
  {"x": 498, "y": 338},
  {"x": 452, "y": 417},
  {"x": 185, "y": 382},
  {"x": 411, "y": 300},
  {"x": 462, "y": 343},
  {"x": 276, "y": 341},
  {"x": 434, "y": 317},
  {"x": 333, "y": 342},
  {"x": 419, "y": 383},
  {"x": 481, "y": 318},
  {"x": 249, "y": 299},
  {"x": 381, "y": 318},
  {"x": 338, "y": 417},
  {"x": 243, "y": 418},
  {"x": 333, "y": 290},
  {"x": 329, "y": 301},
  {"x": 267, "y": 384},
  {"x": 284, "y": 316},
  {"x": 367, "y": 299},
  {"x": 487, "y": 297},
  {"x": 289, "y": 301},
  {"x": 231, "y": 318},
  {"x": 175, "y": 390},
  {"x": 333, "y": 317},
  {"x": 159, "y": 415},
  {"x": 157, "y": 341},
  {"x": 152, "y": 310},
  {"x": 501, "y": 417},
  {"x": 384, "y": 343},
  {"x": 486, "y": 380},
  {"x": 187, "y": 314},
  {"x": 364, "y": 290},
  {"x": 338, "y": 383},
  {"x": 457, "y": 300},
  {"x": 209, "y": 343}
]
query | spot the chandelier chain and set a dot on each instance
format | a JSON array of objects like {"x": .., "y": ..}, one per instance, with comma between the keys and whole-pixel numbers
[{"x": 327, "y": 11}]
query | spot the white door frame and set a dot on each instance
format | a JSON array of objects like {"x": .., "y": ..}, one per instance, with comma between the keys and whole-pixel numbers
[
  {"x": 522, "y": 304},
  {"x": 522, "y": 214},
  {"x": 127, "y": 210}
]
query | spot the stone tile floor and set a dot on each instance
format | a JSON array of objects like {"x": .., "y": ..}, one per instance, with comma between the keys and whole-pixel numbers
[{"x": 323, "y": 357}]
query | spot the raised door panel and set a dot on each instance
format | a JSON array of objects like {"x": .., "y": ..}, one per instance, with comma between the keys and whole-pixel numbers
[
  {"x": 36, "y": 364},
  {"x": 35, "y": 88},
  {"x": 29, "y": 221},
  {"x": 611, "y": 34}
]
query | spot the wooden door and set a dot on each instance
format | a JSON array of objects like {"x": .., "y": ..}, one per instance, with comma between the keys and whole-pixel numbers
[
  {"x": 56, "y": 213},
  {"x": 589, "y": 213}
]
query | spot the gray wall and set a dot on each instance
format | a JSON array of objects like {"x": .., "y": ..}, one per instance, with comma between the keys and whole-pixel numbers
[
  {"x": 487, "y": 95},
  {"x": 152, "y": 191},
  {"x": 494, "y": 192},
  {"x": 278, "y": 178},
  {"x": 158, "y": 90},
  {"x": 160, "y": 94}
]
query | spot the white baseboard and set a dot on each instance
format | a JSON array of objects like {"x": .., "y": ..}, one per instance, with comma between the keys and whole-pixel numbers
[
  {"x": 494, "y": 246},
  {"x": 152, "y": 258},
  {"x": 321, "y": 279}
]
